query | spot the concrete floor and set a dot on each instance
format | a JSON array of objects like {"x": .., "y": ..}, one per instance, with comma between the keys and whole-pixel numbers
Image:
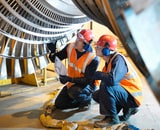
[{"x": 21, "y": 110}]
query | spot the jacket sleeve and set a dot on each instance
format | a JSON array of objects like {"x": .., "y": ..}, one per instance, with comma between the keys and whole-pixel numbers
[
  {"x": 61, "y": 54},
  {"x": 118, "y": 71}
]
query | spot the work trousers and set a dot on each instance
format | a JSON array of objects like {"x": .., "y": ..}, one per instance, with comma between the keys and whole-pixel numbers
[
  {"x": 75, "y": 96},
  {"x": 112, "y": 99}
]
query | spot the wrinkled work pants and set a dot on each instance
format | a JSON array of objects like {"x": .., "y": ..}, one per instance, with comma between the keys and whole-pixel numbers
[
  {"x": 112, "y": 99},
  {"x": 73, "y": 97}
]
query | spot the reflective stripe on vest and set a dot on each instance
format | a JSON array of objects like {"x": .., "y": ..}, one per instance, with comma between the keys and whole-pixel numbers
[
  {"x": 76, "y": 67},
  {"x": 88, "y": 59}
]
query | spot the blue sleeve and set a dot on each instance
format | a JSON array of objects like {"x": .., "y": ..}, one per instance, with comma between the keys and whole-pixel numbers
[{"x": 117, "y": 73}]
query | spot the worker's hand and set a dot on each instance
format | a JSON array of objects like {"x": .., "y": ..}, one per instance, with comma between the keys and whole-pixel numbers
[
  {"x": 52, "y": 57},
  {"x": 52, "y": 47},
  {"x": 64, "y": 79}
]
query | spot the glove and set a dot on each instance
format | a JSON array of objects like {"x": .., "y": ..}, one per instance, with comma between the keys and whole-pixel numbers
[
  {"x": 52, "y": 47},
  {"x": 92, "y": 87},
  {"x": 64, "y": 79},
  {"x": 52, "y": 57},
  {"x": 98, "y": 75}
]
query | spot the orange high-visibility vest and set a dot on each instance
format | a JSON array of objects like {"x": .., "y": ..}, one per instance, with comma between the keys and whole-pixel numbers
[
  {"x": 131, "y": 82},
  {"x": 76, "y": 67}
]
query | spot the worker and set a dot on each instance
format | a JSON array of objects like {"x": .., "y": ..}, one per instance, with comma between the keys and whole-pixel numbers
[
  {"x": 82, "y": 63},
  {"x": 120, "y": 87}
]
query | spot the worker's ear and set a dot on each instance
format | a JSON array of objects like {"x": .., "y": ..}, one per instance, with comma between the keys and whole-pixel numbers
[
  {"x": 86, "y": 46},
  {"x": 52, "y": 46},
  {"x": 105, "y": 51}
]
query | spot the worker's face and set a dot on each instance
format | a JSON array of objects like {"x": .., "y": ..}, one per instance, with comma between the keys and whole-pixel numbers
[
  {"x": 79, "y": 45},
  {"x": 100, "y": 54},
  {"x": 99, "y": 51}
]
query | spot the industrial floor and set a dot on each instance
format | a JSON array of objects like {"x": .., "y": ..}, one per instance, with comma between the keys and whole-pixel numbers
[{"x": 21, "y": 110}]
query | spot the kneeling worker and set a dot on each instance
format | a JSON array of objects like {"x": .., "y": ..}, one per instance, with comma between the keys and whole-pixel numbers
[
  {"x": 120, "y": 87},
  {"x": 82, "y": 64}
]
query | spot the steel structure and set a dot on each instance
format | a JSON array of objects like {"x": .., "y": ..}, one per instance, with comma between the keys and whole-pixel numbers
[{"x": 26, "y": 28}]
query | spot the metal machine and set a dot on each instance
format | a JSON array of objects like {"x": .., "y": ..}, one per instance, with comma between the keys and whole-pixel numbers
[{"x": 26, "y": 28}]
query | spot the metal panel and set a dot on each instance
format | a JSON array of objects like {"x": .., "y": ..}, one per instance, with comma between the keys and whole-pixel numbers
[{"x": 3, "y": 68}]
